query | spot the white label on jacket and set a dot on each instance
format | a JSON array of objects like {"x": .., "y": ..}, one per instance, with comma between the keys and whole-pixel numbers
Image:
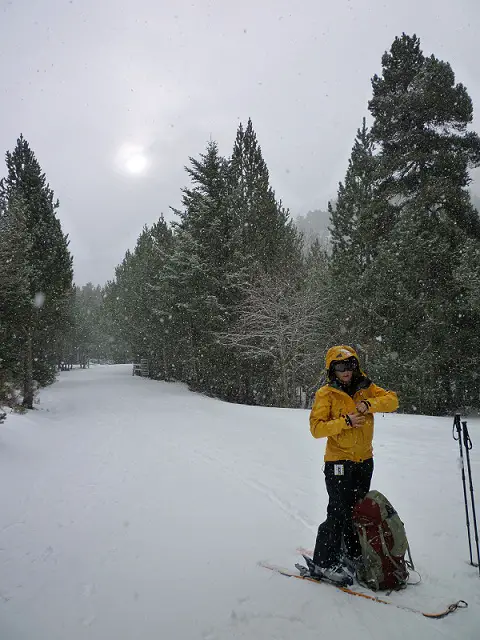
[{"x": 338, "y": 469}]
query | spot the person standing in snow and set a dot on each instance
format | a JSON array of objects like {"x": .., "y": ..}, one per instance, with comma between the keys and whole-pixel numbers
[{"x": 343, "y": 413}]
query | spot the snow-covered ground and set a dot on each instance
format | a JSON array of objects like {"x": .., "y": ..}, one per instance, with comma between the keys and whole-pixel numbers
[{"x": 133, "y": 509}]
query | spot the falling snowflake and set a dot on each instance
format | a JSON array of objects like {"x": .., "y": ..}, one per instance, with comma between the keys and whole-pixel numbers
[{"x": 39, "y": 300}]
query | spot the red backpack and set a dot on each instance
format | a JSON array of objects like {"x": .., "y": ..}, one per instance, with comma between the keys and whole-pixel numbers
[{"x": 384, "y": 543}]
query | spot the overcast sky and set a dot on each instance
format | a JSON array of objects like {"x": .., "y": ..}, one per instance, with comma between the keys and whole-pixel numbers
[{"x": 91, "y": 82}]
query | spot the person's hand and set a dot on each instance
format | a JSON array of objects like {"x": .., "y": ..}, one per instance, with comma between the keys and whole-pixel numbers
[
  {"x": 356, "y": 420},
  {"x": 362, "y": 407}
]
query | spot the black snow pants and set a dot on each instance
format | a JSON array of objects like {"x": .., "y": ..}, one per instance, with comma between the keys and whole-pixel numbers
[{"x": 346, "y": 482}]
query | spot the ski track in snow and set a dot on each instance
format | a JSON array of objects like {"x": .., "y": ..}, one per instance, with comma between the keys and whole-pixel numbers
[
  {"x": 264, "y": 489},
  {"x": 136, "y": 509}
]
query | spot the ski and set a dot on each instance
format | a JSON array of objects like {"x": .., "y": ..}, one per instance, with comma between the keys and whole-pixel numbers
[{"x": 460, "y": 604}]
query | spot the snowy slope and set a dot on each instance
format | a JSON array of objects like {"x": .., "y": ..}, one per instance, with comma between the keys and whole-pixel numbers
[{"x": 136, "y": 509}]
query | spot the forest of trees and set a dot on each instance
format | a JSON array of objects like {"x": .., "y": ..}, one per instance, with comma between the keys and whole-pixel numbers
[{"x": 233, "y": 300}]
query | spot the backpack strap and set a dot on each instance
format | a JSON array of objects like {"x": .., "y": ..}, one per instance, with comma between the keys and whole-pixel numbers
[{"x": 409, "y": 562}]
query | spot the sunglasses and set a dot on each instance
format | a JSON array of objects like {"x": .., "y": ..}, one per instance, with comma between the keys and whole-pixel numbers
[{"x": 345, "y": 365}]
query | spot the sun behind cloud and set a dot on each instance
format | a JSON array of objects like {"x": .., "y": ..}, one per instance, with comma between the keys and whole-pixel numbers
[
  {"x": 136, "y": 163},
  {"x": 132, "y": 159}
]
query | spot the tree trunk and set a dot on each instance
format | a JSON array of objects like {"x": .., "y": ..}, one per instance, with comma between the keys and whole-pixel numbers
[
  {"x": 166, "y": 372},
  {"x": 285, "y": 400},
  {"x": 28, "y": 389},
  {"x": 285, "y": 390}
]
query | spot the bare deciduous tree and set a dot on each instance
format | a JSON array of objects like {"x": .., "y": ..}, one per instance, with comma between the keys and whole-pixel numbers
[{"x": 281, "y": 321}]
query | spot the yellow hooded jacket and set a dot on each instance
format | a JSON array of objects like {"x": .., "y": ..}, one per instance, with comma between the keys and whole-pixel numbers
[{"x": 331, "y": 405}]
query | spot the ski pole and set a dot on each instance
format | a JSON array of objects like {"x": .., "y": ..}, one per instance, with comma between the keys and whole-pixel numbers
[
  {"x": 468, "y": 445},
  {"x": 457, "y": 427}
]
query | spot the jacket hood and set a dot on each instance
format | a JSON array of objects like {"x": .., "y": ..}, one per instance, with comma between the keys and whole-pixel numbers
[
  {"x": 340, "y": 352},
  {"x": 359, "y": 378}
]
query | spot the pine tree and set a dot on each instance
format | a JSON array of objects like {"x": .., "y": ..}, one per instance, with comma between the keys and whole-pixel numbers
[
  {"x": 204, "y": 274},
  {"x": 420, "y": 128},
  {"x": 137, "y": 310},
  {"x": 352, "y": 219},
  {"x": 151, "y": 339},
  {"x": 411, "y": 298},
  {"x": 49, "y": 261},
  {"x": 357, "y": 224},
  {"x": 400, "y": 226},
  {"x": 269, "y": 243},
  {"x": 269, "y": 237}
]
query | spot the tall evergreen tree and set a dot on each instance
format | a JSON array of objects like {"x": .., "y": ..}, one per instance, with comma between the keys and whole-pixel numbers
[
  {"x": 269, "y": 240},
  {"x": 356, "y": 231},
  {"x": 205, "y": 272},
  {"x": 352, "y": 218},
  {"x": 400, "y": 227},
  {"x": 424, "y": 153},
  {"x": 136, "y": 306},
  {"x": 420, "y": 129},
  {"x": 268, "y": 235},
  {"x": 49, "y": 261},
  {"x": 151, "y": 339}
]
